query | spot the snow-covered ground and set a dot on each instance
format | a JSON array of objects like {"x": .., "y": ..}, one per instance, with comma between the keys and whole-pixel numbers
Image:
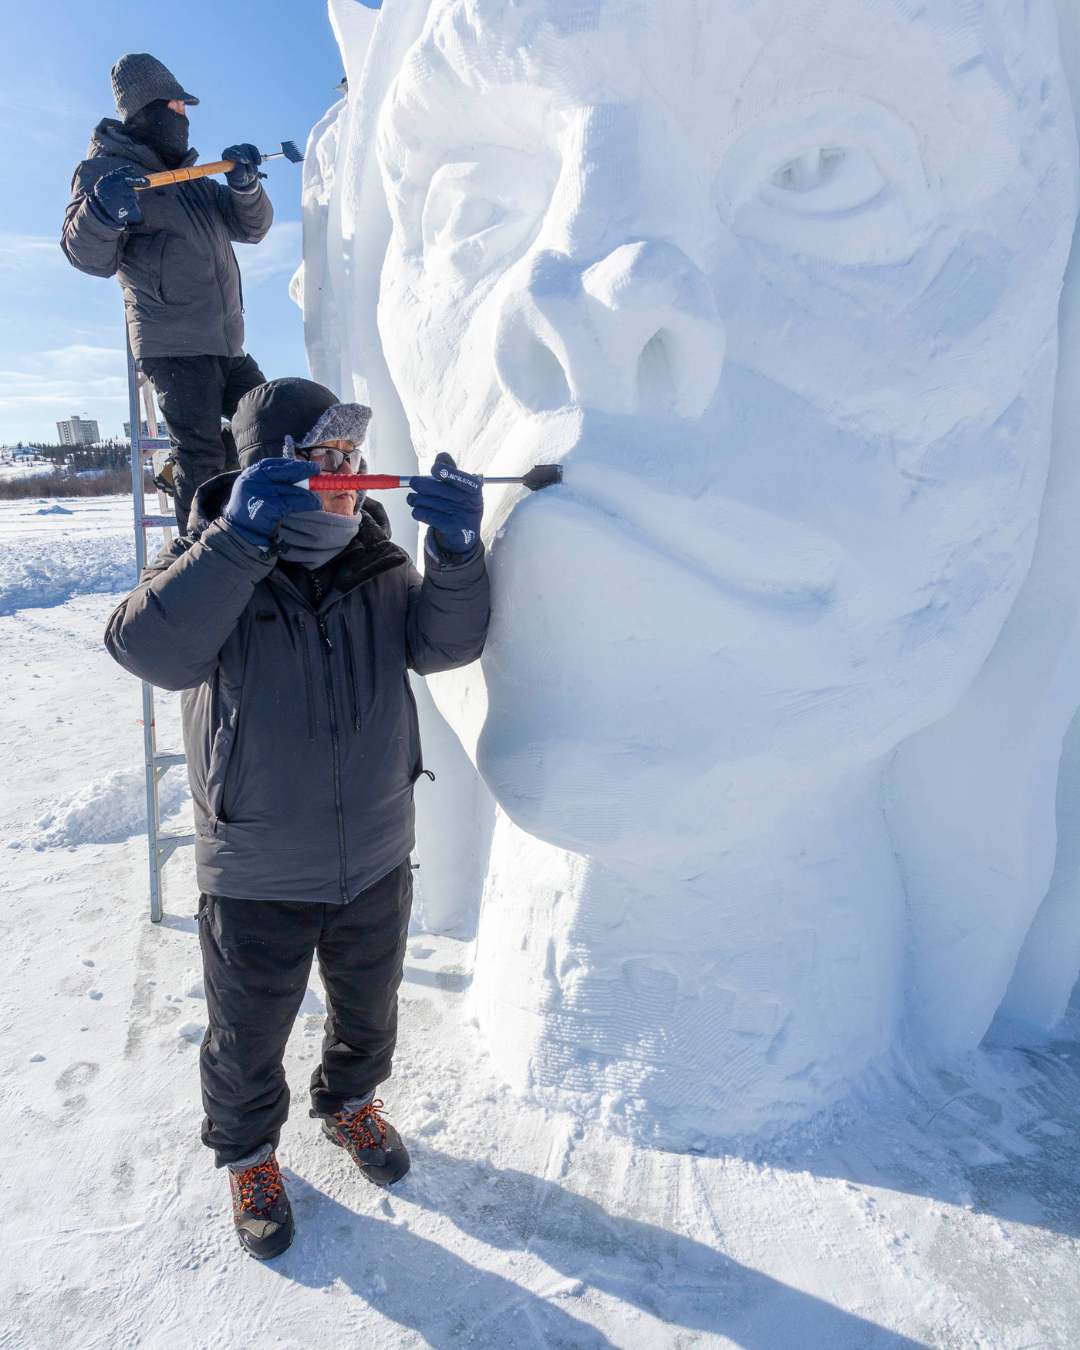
[
  {"x": 57, "y": 547},
  {"x": 25, "y": 468},
  {"x": 936, "y": 1209}
]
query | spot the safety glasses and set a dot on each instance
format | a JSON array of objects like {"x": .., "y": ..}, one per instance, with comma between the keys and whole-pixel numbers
[{"x": 329, "y": 457}]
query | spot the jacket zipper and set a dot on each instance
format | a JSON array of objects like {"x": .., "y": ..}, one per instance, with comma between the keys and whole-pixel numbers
[{"x": 328, "y": 648}]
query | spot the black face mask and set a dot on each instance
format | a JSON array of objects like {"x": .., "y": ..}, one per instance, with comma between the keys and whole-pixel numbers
[{"x": 163, "y": 130}]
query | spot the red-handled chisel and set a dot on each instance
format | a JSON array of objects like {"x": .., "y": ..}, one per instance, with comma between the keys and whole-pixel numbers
[{"x": 542, "y": 476}]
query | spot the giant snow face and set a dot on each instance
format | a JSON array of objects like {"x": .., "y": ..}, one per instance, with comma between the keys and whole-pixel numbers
[{"x": 777, "y": 284}]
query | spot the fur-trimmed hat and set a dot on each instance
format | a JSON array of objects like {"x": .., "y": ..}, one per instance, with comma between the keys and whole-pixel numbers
[{"x": 307, "y": 412}]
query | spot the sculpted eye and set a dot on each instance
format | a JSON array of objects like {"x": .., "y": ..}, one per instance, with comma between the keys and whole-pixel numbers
[
  {"x": 834, "y": 177},
  {"x": 480, "y": 211},
  {"x": 826, "y": 178},
  {"x": 452, "y": 216}
]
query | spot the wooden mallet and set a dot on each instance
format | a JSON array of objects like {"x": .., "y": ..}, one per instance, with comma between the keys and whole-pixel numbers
[{"x": 289, "y": 151}]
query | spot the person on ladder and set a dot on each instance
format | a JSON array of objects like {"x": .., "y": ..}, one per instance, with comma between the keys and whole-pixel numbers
[{"x": 171, "y": 249}]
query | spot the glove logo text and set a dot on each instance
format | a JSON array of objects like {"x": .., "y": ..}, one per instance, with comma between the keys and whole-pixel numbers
[
  {"x": 469, "y": 535},
  {"x": 254, "y": 506}
]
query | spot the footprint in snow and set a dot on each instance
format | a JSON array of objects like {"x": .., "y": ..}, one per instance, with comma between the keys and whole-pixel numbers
[{"x": 77, "y": 1075}]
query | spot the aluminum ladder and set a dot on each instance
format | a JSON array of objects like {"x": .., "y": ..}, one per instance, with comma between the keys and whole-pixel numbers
[{"x": 156, "y": 763}]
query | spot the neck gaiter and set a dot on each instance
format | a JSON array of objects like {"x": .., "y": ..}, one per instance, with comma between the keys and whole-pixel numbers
[
  {"x": 164, "y": 131},
  {"x": 312, "y": 538}
]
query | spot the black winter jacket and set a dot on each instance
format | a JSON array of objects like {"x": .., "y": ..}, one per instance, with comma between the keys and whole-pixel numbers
[
  {"x": 180, "y": 278},
  {"x": 299, "y": 723}
]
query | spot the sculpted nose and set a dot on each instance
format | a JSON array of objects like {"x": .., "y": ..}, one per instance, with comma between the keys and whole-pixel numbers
[{"x": 637, "y": 332}]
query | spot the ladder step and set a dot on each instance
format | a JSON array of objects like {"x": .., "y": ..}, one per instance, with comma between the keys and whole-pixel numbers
[
  {"x": 148, "y": 443},
  {"x": 166, "y": 759},
  {"x": 175, "y": 840},
  {"x": 158, "y": 522}
]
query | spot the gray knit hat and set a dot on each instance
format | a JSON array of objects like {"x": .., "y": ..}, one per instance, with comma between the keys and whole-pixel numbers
[{"x": 139, "y": 78}]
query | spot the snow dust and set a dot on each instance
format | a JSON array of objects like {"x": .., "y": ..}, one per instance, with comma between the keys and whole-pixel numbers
[{"x": 768, "y": 729}]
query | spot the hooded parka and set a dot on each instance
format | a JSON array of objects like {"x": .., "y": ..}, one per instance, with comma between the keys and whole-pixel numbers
[
  {"x": 300, "y": 726},
  {"x": 180, "y": 278}
]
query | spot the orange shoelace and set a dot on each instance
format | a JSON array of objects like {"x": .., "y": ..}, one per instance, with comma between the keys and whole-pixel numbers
[
  {"x": 359, "y": 1125},
  {"x": 259, "y": 1183}
]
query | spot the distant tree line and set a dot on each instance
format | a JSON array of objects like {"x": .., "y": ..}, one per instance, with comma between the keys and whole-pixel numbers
[
  {"x": 110, "y": 454},
  {"x": 101, "y": 470}
]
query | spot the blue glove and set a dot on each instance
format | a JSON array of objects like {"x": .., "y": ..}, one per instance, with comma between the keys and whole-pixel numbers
[
  {"x": 245, "y": 171},
  {"x": 264, "y": 494},
  {"x": 114, "y": 201},
  {"x": 451, "y": 502}
]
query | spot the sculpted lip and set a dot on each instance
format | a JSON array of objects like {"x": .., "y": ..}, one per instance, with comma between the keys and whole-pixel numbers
[{"x": 738, "y": 547}]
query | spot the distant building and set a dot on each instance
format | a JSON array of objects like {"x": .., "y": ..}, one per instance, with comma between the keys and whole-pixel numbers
[
  {"x": 78, "y": 431},
  {"x": 17, "y": 454},
  {"x": 144, "y": 431}
]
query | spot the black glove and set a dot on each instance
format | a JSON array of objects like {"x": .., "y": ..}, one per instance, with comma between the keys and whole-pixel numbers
[
  {"x": 244, "y": 174},
  {"x": 451, "y": 502},
  {"x": 114, "y": 201}
]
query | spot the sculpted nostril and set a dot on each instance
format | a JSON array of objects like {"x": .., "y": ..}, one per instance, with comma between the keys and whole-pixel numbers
[
  {"x": 637, "y": 332},
  {"x": 529, "y": 370},
  {"x": 656, "y": 383}
]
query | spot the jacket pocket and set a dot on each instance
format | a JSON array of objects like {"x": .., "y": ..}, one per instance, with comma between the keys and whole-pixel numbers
[
  {"x": 228, "y": 776},
  {"x": 415, "y": 750},
  {"x": 141, "y": 264},
  {"x": 225, "y": 722},
  {"x": 184, "y": 272},
  {"x": 309, "y": 685},
  {"x": 217, "y": 779}
]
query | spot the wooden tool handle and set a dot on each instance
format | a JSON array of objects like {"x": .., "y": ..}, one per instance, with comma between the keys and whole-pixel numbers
[{"x": 184, "y": 175}]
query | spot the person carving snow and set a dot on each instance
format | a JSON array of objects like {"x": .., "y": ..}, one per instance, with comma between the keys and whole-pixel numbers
[
  {"x": 171, "y": 249},
  {"x": 290, "y": 620}
]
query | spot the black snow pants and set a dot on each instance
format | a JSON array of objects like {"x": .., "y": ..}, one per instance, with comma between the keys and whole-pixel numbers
[
  {"x": 256, "y": 961},
  {"x": 194, "y": 394}
]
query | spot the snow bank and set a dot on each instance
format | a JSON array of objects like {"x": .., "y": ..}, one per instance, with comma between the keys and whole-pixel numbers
[
  {"x": 85, "y": 567},
  {"x": 108, "y": 810},
  {"x": 769, "y": 721},
  {"x": 50, "y": 551}
]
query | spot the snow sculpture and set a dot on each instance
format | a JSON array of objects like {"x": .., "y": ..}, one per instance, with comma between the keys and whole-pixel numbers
[{"x": 778, "y": 285}]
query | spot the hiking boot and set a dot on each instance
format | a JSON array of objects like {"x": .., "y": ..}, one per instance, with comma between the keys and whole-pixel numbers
[
  {"x": 165, "y": 475},
  {"x": 371, "y": 1142},
  {"x": 261, "y": 1210}
]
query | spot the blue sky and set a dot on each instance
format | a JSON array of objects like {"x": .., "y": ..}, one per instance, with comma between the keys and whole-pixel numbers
[{"x": 264, "y": 72}]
